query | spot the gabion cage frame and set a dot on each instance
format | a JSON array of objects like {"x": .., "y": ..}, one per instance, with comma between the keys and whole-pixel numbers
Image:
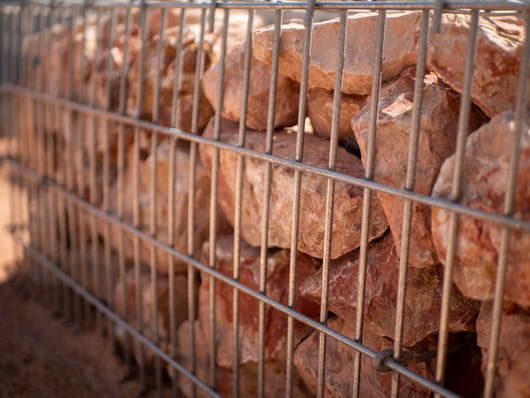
[{"x": 41, "y": 194}]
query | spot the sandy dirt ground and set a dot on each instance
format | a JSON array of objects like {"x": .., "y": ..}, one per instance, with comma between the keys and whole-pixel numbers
[{"x": 42, "y": 355}]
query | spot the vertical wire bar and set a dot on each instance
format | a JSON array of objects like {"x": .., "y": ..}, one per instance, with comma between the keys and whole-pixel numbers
[
  {"x": 8, "y": 28},
  {"x": 237, "y": 206},
  {"x": 463, "y": 125},
  {"x": 171, "y": 199},
  {"x": 409, "y": 186},
  {"x": 11, "y": 132},
  {"x": 92, "y": 135},
  {"x": 171, "y": 240},
  {"x": 213, "y": 200},
  {"x": 121, "y": 184},
  {"x": 80, "y": 141},
  {"x": 3, "y": 59},
  {"x": 20, "y": 33},
  {"x": 367, "y": 198},
  {"x": 60, "y": 202},
  {"x": 9, "y": 46},
  {"x": 23, "y": 29},
  {"x": 9, "y": 51},
  {"x": 109, "y": 267},
  {"x": 154, "y": 284},
  {"x": 20, "y": 102},
  {"x": 191, "y": 192},
  {"x": 330, "y": 195},
  {"x": 32, "y": 157},
  {"x": 266, "y": 199},
  {"x": 4, "y": 98},
  {"x": 68, "y": 171},
  {"x": 153, "y": 232},
  {"x": 12, "y": 51},
  {"x": 51, "y": 200},
  {"x": 15, "y": 134},
  {"x": 37, "y": 160},
  {"x": 5, "y": 104},
  {"x": 436, "y": 23},
  {"x": 308, "y": 23},
  {"x": 39, "y": 163},
  {"x": 521, "y": 118},
  {"x": 136, "y": 203},
  {"x": 24, "y": 186}
]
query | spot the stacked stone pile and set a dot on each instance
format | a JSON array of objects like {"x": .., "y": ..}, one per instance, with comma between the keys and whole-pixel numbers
[{"x": 486, "y": 163}]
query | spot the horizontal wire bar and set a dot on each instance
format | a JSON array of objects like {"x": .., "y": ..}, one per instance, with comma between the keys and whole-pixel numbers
[
  {"x": 352, "y": 5},
  {"x": 390, "y": 363},
  {"x": 360, "y": 182},
  {"x": 50, "y": 266}
]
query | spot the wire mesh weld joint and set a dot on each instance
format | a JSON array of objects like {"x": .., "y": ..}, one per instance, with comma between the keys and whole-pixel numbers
[{"x": 380, "y": 358}]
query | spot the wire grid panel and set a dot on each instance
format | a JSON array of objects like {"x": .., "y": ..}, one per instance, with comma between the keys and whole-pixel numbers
[{"x": 134, "y": 196}]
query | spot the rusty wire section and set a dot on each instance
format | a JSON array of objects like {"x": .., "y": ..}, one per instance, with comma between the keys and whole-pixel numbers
[{"x": 85, "y": 208}]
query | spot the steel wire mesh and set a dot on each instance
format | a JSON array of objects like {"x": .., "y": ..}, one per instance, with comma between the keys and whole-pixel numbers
[{"x": 81, "y": 237}]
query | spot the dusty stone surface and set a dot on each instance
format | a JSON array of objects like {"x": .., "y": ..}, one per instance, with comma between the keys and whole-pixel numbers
[
  {"x": 339, "y": 366},
  {"x": 224, "y": 384},
  {"x": 437, "y": 141},
  {"x": 320, "y": 111},
  {"x": 513, "y": 355},
  {"x": 288, "y": 91},
  {"x": 399, "y": 50},
  {"x": 422, "y": 302},
  {"x": 498, "y": 56},
  {"x": 277, "y": 289},
  {"x": 484, "y": 183},
  {"x": 201, "y": 202},
  {"x": 167, "y": 82},
  {"x": 347, "y": 205},
  {"x": 147, "y": 313}
]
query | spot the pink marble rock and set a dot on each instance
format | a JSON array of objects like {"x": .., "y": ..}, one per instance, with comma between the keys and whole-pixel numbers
[
  {"x": 274, "y": 374},
  {"x": 347, "y": 204},
  {"x": 498, "y": 56},
  {"x": 485, "y": 176},
  {"x": 286, "y": 110},
  {"x": 147, "y": 314},
  {"x": 277, "y": 289},
  {"x": 437, "y": 141},
  {"x": 513, "y": 354},
  {"x": 320, "y": 111},
  {"x": 338, "y": 379},
  {"x": 422, "y": 302},
  {"x": 400, "y": 50}
]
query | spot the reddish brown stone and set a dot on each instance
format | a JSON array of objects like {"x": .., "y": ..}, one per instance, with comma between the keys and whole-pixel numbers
[
  {"x": 437, "y": 141},
  {"x": 338, "y": 379},
  {"x": 147, "y": 299},
  {"x": 422, "y": 302},
  {"x": 286, "y": 110},
  {"x": 348, "y": 198},
  {"x": 399, "y": 50},
  {"x": 181, "y": 196},
  {"x": 167, "y": 82},
  {"x": 320, "y": 111},
  {"x": 274, "y": 374},
  {"x": 498, "y": 56},
  {"x": 485, "y": 176},
  {"x": 277, "y": 289},
  {"x": 513, "y": 354}
]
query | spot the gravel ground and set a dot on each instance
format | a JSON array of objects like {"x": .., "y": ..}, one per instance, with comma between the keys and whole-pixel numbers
[{"x": 42, "y": 355}]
